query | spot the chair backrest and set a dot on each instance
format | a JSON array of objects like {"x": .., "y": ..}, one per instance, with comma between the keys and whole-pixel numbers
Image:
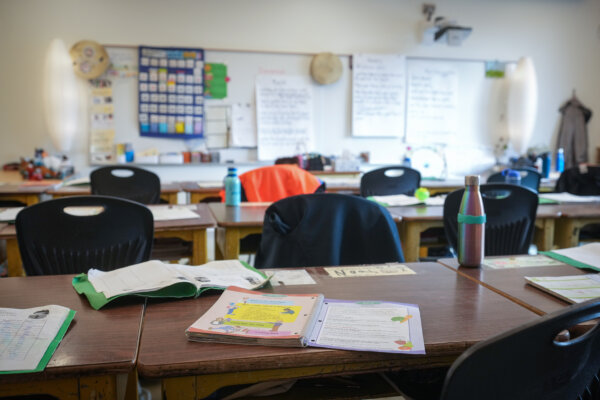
[
  {"x": 584, "y": 182},
  {"x": 510, "y": 217},
  {"x": 390, "y": 180},
  {"x": 529, "y": 178},
  {"x": 276, "y": 182},
  {"x": 528, "y": 362},
  {"x": 53, "y": 241},
  {"x": 327, "y": 229},
  {"x": 127, "y": 182}
]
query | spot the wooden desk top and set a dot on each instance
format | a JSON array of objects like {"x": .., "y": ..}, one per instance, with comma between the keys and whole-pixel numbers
[
  {"x": 202, "y": 187},
  {"x": 28, "y": 187},
  {"x": 247, "y": 214},
  {"x": 510, "y": 283},
  {"x": 456, "y": 313},
  {"x": 97, "y": 342},
  {"x": 436, "y": 213},
  {"x": 579, "y": 210},
  {"x": 171, "y": 187}
]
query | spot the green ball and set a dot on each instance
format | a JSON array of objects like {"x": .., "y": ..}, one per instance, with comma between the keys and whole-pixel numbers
[{"x": 422, "y": 194}]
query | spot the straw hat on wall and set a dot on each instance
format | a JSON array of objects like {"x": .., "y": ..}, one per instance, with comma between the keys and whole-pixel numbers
[
  {"x": 90, "y": 59},
  {"x": 326, "y": 68}
]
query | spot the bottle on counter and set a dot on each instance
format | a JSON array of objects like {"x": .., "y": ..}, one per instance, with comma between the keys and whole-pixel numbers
[
  {"x": 560, "y": 160},
  {"x": 471, "y": 225},
  {"x": 512, "y": 176},
  {"x": 233, "y": 188}
]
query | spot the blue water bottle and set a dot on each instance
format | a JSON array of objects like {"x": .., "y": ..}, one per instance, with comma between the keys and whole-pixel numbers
[
  {"x": 560, "y": 160},
  {"x": 512, "y": 177},
  {"x": 233, "y": 188},
  {"x": 546, "y": 161}
]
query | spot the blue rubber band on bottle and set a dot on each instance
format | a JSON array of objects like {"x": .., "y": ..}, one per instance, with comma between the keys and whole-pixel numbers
[{"x": 471, "y": 219}]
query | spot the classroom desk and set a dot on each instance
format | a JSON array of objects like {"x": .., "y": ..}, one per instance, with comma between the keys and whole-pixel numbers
[
  {"x": 193, "y": 230},
  {"x": 27, "y": 192},
  {"x": 168, "y": 191},
  {"x": 573, "y": 218},
  {"x": 414, "y": 220},
  {"x": 98, "y": 352},
  {"x": 202, "y": 190},
  {"x": 456, "y": 313},
  {"x": 234, "y": 224},
  {"x": 510, "y": 283}
]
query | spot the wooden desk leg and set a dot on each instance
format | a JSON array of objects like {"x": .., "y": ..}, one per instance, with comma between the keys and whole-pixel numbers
[
  {"x": 170, "y": 198},
  {"x": 98, "y": 387},
  {"x": 410, "y": 236},
  {"x": 567, "y": 232},
  {"x": 67, "y": 389},
  {"x": 13, "y": 258},
  {"x": 183, "y": 388},
  {"x": 231, "y": 249},
  {"x": 543, "y": 236},
  {"x": 199, "y": 250},
  {"x": 32, "y": 199}
]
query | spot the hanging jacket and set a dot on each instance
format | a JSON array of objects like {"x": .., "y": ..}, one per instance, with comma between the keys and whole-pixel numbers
[
  {"x": 276, "y": 182},
  {"x": 572, "y": 136}
]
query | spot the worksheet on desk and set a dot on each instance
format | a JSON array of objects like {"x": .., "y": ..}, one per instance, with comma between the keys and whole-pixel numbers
[{"x": 26, "y": 335}]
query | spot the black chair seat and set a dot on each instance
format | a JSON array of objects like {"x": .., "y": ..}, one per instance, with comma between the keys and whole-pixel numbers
[{"x": 390, "y": 180}]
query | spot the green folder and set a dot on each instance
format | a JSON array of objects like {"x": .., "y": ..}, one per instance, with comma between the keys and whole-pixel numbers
[
  {"x": 183, "y": 289},
  {"x": 51, "y": 348}
]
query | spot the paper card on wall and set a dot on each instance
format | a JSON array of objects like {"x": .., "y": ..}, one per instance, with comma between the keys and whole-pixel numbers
[
  {"x": 123, "y": 62},
  {"x": 378, "y": 92},
  {"x": 432, "y": 102},
  {"x": 243, "y": 126},
  {"x": 284, "y": 115},
  {"x": 215, "y": 81}
]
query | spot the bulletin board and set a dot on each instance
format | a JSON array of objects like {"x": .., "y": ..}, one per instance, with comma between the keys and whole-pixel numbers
[{"x": 475, "y": 112}]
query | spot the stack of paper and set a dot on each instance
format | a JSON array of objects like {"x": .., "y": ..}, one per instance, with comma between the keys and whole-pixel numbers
[
  {"x": 9, "y": 214},
  {"x": 574, "y": 289},
  {"x": 169, "y": 212},
  {"x": 586, "y": 256},
  {"x": 569, "y": 198},
  {"x": 404, "y": 200}
]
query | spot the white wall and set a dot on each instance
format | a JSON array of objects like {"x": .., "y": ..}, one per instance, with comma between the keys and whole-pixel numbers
[{"x": 562, "y": 36}]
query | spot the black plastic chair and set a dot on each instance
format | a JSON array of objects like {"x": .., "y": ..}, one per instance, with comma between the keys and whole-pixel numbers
[
  {"x": 327, "y": 229},
  {"x": 529, "y": 178},
  {"x": 138, "y": 185},
  {"x": 390, "y": 180},
  {"x": 510, "y": 213},
  {"x": 529, "y": 362},
  {"x": 53, "y": 242},
  {"x": 582, "y": 182}
]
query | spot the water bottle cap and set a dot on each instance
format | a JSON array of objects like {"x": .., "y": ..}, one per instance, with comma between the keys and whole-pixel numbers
[
  {"x": 561, "y": 150},
  {"x": 513, "y": 174},
  {"x": 471, "y": 180},
  {"x": 232, "y": 169}
]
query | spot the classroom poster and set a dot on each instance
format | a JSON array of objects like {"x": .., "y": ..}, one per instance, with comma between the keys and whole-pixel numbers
[
  {"x": 102, "y": 125},
  {"x": 432, "y": 104},
  {"x": 215, "y": 81},
  {"x": 284, "y": 115},
  {"x": 171, "y": 92},
  {"x": 378, "y": 93}
]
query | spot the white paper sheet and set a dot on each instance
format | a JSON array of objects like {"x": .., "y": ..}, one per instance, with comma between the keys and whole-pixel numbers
[
  {"x": 378, "y": 92},
  {"x": 569, "y": 198},
  {"x": 243, "y": 126},
  {"x": 25, "y": 335},
  {"x": 9, "y": 214},
  {"x": 289, "y": 277},
  {"x": 169, "y": 212},
  {"x": 432, "y": 103},
  {"x": 284, "y": 116},
  {"x": 588, "y": 254}
]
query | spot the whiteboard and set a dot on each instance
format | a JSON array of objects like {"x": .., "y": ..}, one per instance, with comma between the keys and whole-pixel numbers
[{"x": 478, "y": 114}]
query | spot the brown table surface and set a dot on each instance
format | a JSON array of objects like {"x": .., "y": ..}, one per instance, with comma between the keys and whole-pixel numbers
[
  {"x": 436, "y": 213},
  {"x": 247, "y": 214},
  {"x": 28, "y": 187},
  {"x": 511, "y": 283},
  {"x": 171, "y": 187},
  {"x": 97, "y": 342},
  {"x": 456, "y": 313}
]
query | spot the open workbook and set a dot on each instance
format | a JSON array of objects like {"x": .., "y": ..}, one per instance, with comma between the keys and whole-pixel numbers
[
  {"x": 243, "y": 316},
  {"x": 574, "y": 288},
  {"x": 157, "y": 279},
  {"x": 28, "y": 337}
]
